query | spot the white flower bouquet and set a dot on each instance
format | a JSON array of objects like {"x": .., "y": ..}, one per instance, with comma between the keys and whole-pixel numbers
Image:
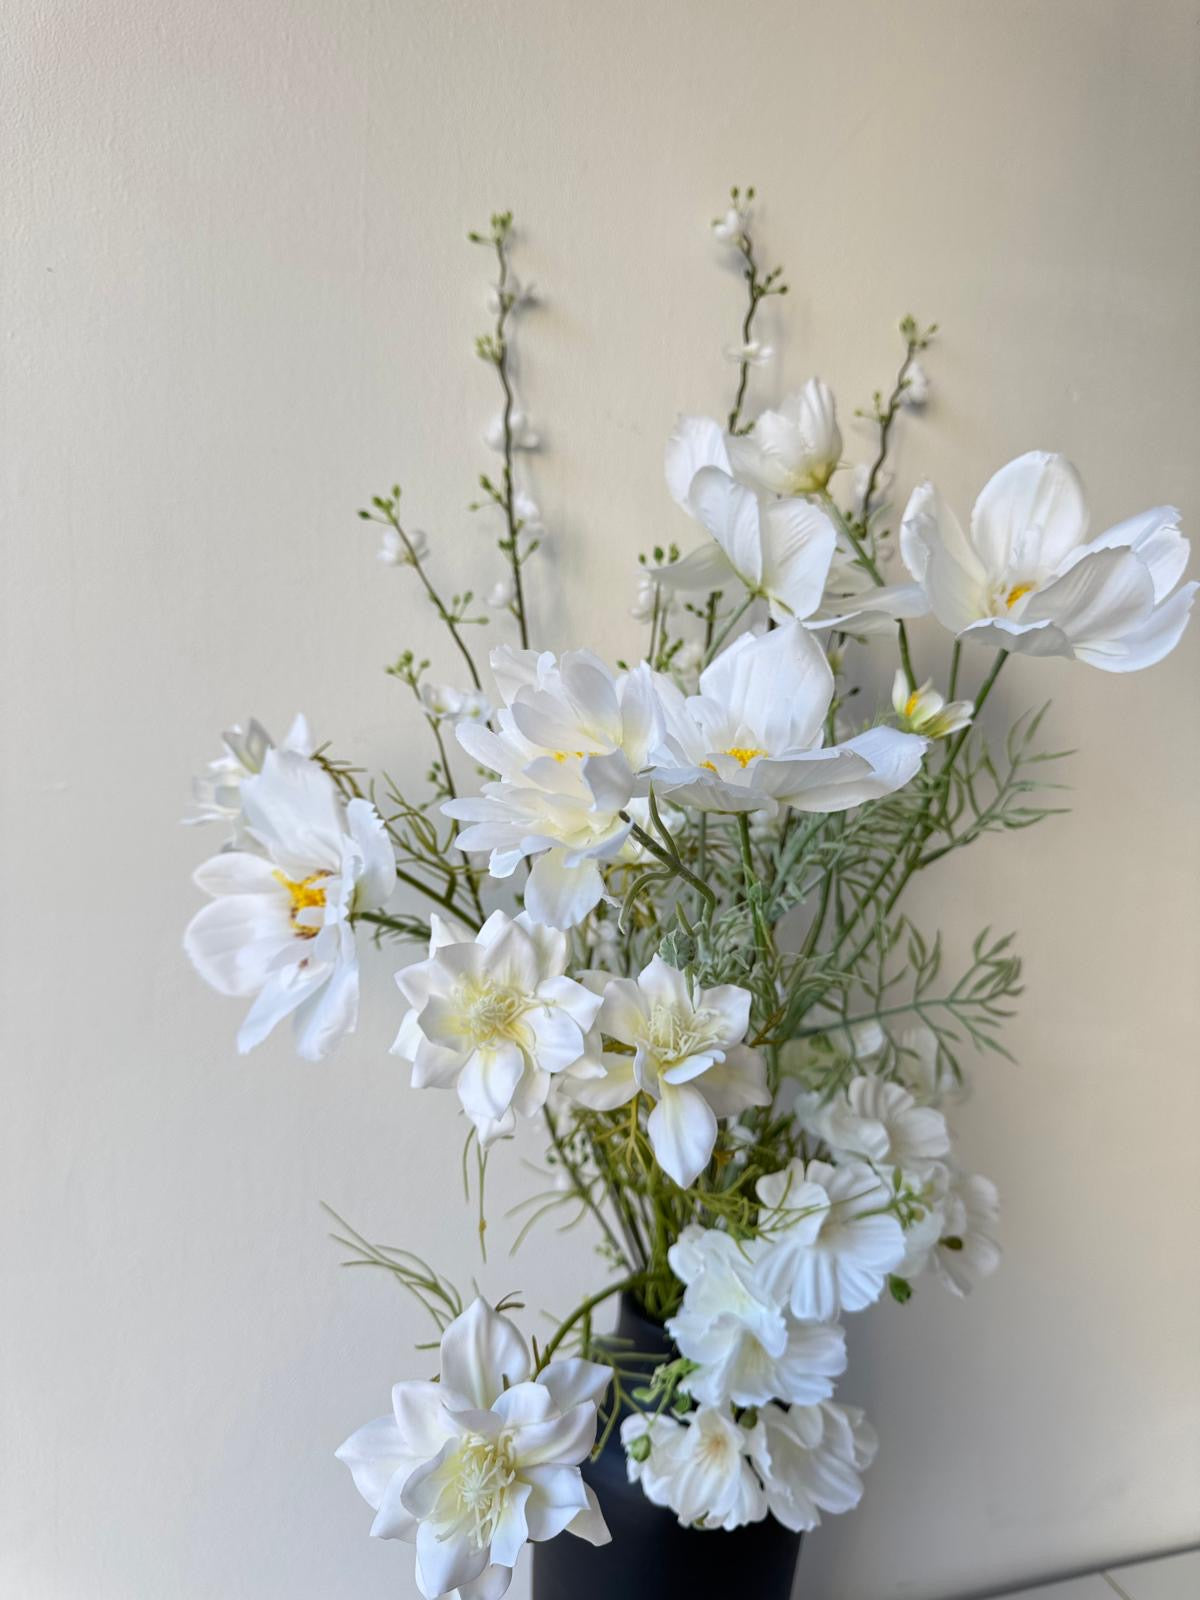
[{"x": 664, "y": 920}]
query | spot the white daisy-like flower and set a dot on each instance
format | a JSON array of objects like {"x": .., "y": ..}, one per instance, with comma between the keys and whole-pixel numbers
[
  {"x": 494, "y": 1017},
  {"x": 749, "y": 1348},
  {"x": 1025, "y": 577},
  {"x": 810, "y": 1459},
  {"x": 968, "y": 1250},
  {"x": 687, "y": 1055},
  {"x": 471, "y": 1468},
  {"x": 832, "y": 1240},
  {"x": 699, "y": 1468},
  {"x": 752, "y": 739},
  {"x": 279, "y": 924},
  {"x": 878, "y": 1121}
]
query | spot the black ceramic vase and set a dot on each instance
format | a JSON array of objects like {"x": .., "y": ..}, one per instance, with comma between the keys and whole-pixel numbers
[{"x": 651, "y": 1557}]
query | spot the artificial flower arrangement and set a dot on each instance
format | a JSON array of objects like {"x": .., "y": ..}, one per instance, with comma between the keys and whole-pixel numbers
[{"x": 668, "y": 926}]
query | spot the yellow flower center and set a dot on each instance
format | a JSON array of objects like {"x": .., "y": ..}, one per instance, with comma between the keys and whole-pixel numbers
[
  {"x": 742, "y": 754},
  {"x": 563, "y": 755},
  {"x": 673, "y": 1036},
  {"x": 911, "y": 704},
  {"x": 1018, "y": 592},
  {"x": 488, "y": 1012},
  {"x": 306, "y": 893}
]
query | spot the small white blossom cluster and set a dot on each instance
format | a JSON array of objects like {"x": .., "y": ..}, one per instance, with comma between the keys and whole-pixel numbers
[{"x": 743, "y": 1101}]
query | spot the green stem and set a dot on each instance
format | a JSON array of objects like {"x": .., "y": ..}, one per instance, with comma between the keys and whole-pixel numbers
[
  {"x": 514, "y": 554},
  {"x": 672, "y": 861},
  {"x": 442, "y": 611},
  {"x": 585, "y": 1309}
]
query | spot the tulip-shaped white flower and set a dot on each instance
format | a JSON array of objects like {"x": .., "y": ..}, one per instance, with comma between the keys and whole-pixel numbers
[
  {"x": 833, "y": 1241},
  {"x": 810, "y": 1459},
  {"x": 795, "y": 450},
  {"x": 926, "y": 711},
  {"x": 687, "y": 1055},
  {"x": 968, "y": 1250},
  {"x": 749, "y": 1349},
  {"x": 699, "y": 1468},
  {"x": 1025, "y": 576},
  {"x": 471, "y": 1468},
  {"x": 279, "y": 924},
  {"x": 752, "y": 738},
  {"x": 494, "y": 1017},
  {"x": 569, "y": 740},
  {"x": 218, "y": 792}
]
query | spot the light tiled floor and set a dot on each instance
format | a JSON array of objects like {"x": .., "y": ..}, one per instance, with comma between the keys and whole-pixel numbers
[{"x": 1171, "y": 1578}]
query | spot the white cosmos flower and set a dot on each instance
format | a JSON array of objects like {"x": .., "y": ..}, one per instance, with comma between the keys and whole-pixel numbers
[
  {"x": 687, "y": 1055},
  {"x": 810, "y": 1459},
  {"x": 278, "y": 926},
  {"x": 779, "y": 549},
  {"x": 445, "y": 703},
  {"x": 878, "y": 1121},
  {"x": 833, "y": 1243},
  {"x": 749, "y": 1349},
  {"x": 699, "y": 1468},
  {"x": 1025, "y": 576},
  {"x": 795, "y": 450},
  {"x": 569, "y": 741},
  {"x": 752, "y": 738},
  {"x": 472, "y": 1467},
  {"x": 968, "y": 1250},
  {"x": 523, "y": 435},
  {"x": 393, "y": 551},
  {"x": 218, "y": 791},
  {"x": 925, "y": 711},
  {"x": 494, "y": 1017}
]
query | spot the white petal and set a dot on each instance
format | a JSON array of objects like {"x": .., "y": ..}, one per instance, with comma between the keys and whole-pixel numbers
[
  {"x": 1101, "y": 597},
  {"x": 1029, "y": 516},
  {"x": 488, "y": 1081},
  {"x": 445, "y": 1564},
  {"x": 284, "y": 992},
  {"x": 559, "y": 1496},
  {"x": 480, "y": 1350},
  {"x": 292, "y": 808},
  {"x": 730, "y": 512},
  {"x": 374, "y": 1454},
  {"x": 235, "y": 942},
  {"x": 702, "y": 569},
  {"x": 573, "y": 1380},
  {"x": 738, "y": 1082},
  {"x": 799, "y": 541},
  {"x": 378, "y": 877},
  {"x": 562, "y": 896},
  {"x": 683, "y": 1130},
  {"x": 1154, "y": 537},
  {"x": 331, "y": 1012},
  {"x": 1143, "y": 646},
  {"x": 695, "y": 442}
]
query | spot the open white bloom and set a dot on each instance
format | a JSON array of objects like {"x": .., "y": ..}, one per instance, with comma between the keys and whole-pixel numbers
[
  {"x": 795, "y": 450},
  {"x": 445, "y": 703},
  {"x": 687, "y": 1055},
  {"x": 393, "y": 551},
  {"x": 968, "y": 1250},
  {"x": 471, "y": 1468},
  {"x": 915, "y": 394},
  {"x": 279, "y": 926},
  {"x": 925, "y": 711},
  {"x": 752, "y": 738},
  {"x": 779, "y": 549},
  {"x": 810, "y": 1459},
  {"x": 522, "y": 434},
  {"x": 569, "y": 741},
  {"x": 1025, "y": 576},
  {"x": 833, "y": 1241},
  {"x": 218, "y": 791},
  {"x": 878, "y": 1121},
  {"x": 749, "y": 1348},
  {"x": 753, "y": 353},
  {"x": 699, "y": 1468},
  {"x": 494, "y": 1017}
]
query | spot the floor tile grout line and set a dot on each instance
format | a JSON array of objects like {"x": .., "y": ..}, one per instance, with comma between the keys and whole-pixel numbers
[{"x": 1115, "y": 1586}]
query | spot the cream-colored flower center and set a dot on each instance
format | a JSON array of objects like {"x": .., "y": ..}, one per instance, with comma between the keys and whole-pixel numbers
[
  {"x": 306, "y": 893},
  {"x": 484, "y": 1472},
  {"x": 489, "y": 1011},
  {"x": 673, "y": 1035}
]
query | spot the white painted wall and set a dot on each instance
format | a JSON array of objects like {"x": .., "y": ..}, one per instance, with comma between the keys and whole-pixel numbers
[{"x": 237, "y": 299}]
